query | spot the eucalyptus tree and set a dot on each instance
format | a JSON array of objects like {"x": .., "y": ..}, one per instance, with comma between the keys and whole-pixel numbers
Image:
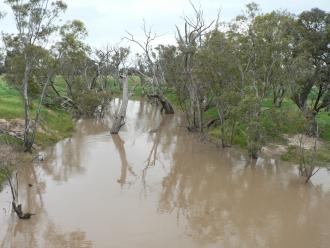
[
  {"x": 35, "y": 23},
  {"x": 311, "y": 68},
  {"x": 110, "y": 60},
  {"x": 216, "y": 68},
  {"x": 118, "y": 59},
  {"x": 262, "y": 53},
  {"x": 189, "y": 42},
  {"x": 273, "y": 44},
  {"x": 79, "y": 71},
  {"x": 73, "y": 55},
  {"x": 103, "y": 58},
  {"x": 119, "y": 71}
]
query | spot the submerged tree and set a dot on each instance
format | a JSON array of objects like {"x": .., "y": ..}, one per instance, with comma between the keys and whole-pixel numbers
[
  {"x": 309, "y": 164},
  {"x": 119, "y": 118},
  {"x": 7, "y": 158}
]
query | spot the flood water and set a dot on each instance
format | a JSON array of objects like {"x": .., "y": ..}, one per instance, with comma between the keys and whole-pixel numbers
[{"x": 156, "y": 185}]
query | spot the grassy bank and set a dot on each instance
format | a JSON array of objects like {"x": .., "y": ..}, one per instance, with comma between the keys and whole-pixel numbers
[{"x": 55, "y": 124}]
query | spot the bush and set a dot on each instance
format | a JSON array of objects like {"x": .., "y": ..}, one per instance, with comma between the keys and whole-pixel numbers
[{"x": 88, "y": 101}]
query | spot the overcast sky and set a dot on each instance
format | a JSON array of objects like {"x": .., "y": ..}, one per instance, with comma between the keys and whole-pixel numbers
[{"x": 107, "y": 20}]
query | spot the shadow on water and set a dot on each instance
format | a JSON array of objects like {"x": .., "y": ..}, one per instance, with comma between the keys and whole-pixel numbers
[{"x": 156, "y": 185}]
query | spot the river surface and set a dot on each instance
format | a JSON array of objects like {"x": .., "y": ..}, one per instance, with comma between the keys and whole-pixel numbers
[{"x": 156, "y": 185}]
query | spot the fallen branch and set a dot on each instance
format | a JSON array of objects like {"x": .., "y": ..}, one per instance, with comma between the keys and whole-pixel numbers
[{"x": 166, "y": 105}]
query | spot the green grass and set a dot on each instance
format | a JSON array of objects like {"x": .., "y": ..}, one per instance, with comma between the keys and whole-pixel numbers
[
  {"x": 10, "y": 102},
  {"x": 324, "y": 124},
  {"x": 293, "y": 154},
  {"x": 278, "y": 121},
  {"x": 60, "y": 85},
  {"x": 57, "y": 124},
  {"x": 2, "y": 179}
]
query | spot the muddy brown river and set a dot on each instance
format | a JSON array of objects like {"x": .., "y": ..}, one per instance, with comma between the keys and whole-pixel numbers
[{"x": 156, "y": 185}]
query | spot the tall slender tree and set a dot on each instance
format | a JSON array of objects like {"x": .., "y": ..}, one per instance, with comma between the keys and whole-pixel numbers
[{"x": 35, "y": 22}]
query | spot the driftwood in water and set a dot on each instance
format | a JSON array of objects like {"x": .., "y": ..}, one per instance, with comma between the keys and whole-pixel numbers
[
  {"x": 119, "y": 119},
  {"x": 166, "y": 105}
]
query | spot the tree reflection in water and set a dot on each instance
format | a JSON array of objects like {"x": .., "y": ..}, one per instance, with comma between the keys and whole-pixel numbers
[
  {"x": 217, "y": 197},
  {"x": 22, "y": 233},
  {"x": 125, "y": 167},
  {"x": 240, "y": 205}
]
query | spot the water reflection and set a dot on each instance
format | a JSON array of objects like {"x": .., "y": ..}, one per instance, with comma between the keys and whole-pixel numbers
[
  {"x": 235, "y": 204},
  {"x": 40, "y": 230},
  {"x": 88, "y": 193},
  {"x": 125, "y": 167}
]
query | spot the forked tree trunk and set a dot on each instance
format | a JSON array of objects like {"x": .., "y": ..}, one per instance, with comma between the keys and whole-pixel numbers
[{"x": 119, "y": 119}]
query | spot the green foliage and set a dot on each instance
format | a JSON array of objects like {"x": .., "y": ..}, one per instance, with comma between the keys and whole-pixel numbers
[
  {"x": 324, "y": 125},
  {"x": 293, "y": 154},
  {"x": 88, "y": 101}
]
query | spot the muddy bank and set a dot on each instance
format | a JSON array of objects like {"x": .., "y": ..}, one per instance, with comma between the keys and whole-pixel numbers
[{"x": 156, "y": 185}]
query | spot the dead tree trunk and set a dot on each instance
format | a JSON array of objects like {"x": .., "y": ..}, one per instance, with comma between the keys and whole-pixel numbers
[
  {"x": 166, "y": 105},
  {"x": 119, "y": 119}
]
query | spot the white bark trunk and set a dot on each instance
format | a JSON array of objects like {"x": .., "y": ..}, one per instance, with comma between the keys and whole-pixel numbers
[
  {"x": 119, "y": 120},
  {"x": 26, "y": 106}
]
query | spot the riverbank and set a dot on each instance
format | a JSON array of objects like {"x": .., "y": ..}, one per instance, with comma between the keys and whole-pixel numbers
[
  {"x": 55, "y": 124},
  {"x": 283, "y": 127},
  {"x": 155, "y": 171}
]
